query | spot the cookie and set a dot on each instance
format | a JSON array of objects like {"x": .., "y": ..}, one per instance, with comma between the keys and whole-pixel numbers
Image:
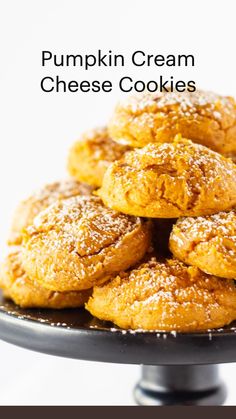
[
  {"x": 77, "y": 243},
  {"x": 207, "y": 242},
  {"x": 203, "y": 117},
  {"x": 165, "y": 296},
  {"x": 41, "y": 199},
  {"x": 169, "y": 181},
  {"x": 90, "y": 157},
  {"x": 27, "y": 293}
]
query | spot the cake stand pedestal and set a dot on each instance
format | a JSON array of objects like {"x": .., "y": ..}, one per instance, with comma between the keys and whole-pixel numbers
[{"x": 197, "y": 385}]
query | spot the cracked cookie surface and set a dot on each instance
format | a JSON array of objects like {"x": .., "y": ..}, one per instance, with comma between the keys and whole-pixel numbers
[
  {"x": 170, "y": 180},
  {"x": 41, "y": 199},
  {"x": 207, "y": 242},
  {"x": 203, "y": 117},
  {"x": 90, "y": 157},
  {"x": 165, "y": 296},
  {"x": 78, "y": 242},
  {"x": 27, "y": 293}
]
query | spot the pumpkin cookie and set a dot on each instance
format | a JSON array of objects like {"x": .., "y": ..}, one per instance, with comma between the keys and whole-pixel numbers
[
  {"x": 78, "y": 242},
  {"x": 207, "y": 242},
  {"x": 203, "y": 117},
  {"x": 27, "y": 293},
  {"x": 90, "y": 157},
  {"x": 170, "y": 180},
  {"x": 165, "y": 296},
  {"x": 41, "y": 199}
]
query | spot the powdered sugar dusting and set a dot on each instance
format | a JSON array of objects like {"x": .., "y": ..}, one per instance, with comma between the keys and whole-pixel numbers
[
  {"x": 178, "y": 178},
  {"x": 166, "y": 296},
  {"x": 188, "y": 105},
  {"x": 218, "y": 231},
  {"x": 84, "y": 225}
]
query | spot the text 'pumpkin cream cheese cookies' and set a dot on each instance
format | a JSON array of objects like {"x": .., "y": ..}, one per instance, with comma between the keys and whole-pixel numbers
[
  {"x": 41, "y": 199},
  {"x": 165, "y": 296},
  {"x": 203, "y": 117},
  {"x": 170, "y": 180},
  {"x": 78, "y": 242},
  {"x": 90, "y": 156},
  {"x": 28, "y": 293},
  {"x": 207, "y": 242}
]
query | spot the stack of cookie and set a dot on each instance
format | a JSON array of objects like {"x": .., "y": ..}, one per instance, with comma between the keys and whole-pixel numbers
[{"x": 144, "y": 232}]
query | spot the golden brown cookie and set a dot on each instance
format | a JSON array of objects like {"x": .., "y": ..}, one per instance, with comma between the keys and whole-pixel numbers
[
  {"x": 207, "y": 242},
  {"x": 90, "y": 157},
  {"x": 41, "y": 199},
  {"x": 77, "y": 243},
  {"x": 203, "y": 117},
  {"x": 28, "y": 293},
  {"x": 165, "y": 296},
  {"x": 170, "y": 180}
]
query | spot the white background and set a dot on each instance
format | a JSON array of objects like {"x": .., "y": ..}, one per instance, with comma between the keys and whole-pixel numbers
[{"x": 36, "y": 130}]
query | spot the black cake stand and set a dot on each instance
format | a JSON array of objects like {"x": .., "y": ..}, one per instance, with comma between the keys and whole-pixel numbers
[{"x": 177, "y": 368}]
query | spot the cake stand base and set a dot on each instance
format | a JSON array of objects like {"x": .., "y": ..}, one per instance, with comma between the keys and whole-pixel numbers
[{"x": 186, "y": 385}]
